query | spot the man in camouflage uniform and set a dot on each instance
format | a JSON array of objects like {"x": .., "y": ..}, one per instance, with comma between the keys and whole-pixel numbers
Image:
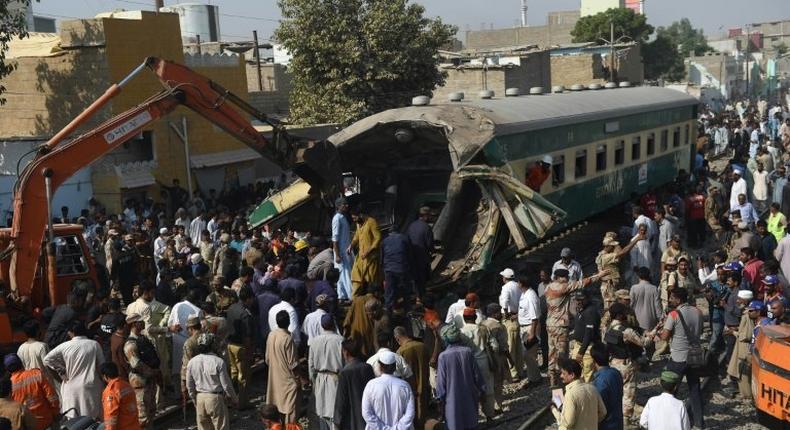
[
  {"x": 558, "y": 299},
  {"x": 142, "y": 377},
  {"x": 624, "y": 345},
  {"x": 190, "y": 349},
  {"x": 622, "y": 296},
  {"x": 155, "y": 315},
  {"x": 221, "y": 296},
  {"x": 608, "y": 260}
]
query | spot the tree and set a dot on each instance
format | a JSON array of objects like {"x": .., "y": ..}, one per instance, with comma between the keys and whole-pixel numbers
[
  {"x": 353, "y": 58},
  {"x": 686, "y": 38},
  {"x": 594, "y": 28},
  {"x": 662, "y": 60},
  {"x": 12, "y": 24}
]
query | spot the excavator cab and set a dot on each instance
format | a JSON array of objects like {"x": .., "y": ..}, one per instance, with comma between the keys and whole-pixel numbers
[{"x": 74, "y": 268}]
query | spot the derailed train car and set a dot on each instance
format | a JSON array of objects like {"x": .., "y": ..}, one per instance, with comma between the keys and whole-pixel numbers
[{"x": 469, "y": 161}]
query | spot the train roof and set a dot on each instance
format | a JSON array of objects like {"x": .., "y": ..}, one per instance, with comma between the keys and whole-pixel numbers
[{"x": 469, "y": 125}]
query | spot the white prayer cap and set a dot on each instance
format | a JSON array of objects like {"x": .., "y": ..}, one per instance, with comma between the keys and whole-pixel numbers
[
  {"x": 745, "y": 295},
  {"x": 738, "y": 172},
  {"x": 387, "y": 357},
  {"x": 163, "y": 230}
]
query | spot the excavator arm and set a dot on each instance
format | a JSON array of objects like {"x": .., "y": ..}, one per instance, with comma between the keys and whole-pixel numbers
[{"x": 56, "y": 162}]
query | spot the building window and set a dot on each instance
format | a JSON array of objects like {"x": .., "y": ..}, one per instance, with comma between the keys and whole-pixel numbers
[
  {"x": 687, "y": 138},
  {"x": 664, "y": 140},
  {"x": 676, "y": 137},
  {"x": 619, "y": 153},
  {"x": 558, "y": 166},
  {"x": 581, "y": 163},
  {"x": 600, "y": 158},
  {"x": 636, "y": 148},
  {"x": 651, "y": 144}
]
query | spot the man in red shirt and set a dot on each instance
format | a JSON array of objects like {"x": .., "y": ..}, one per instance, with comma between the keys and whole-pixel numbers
[
  {"x": 751, "y": 271},
  {"x": 695, "y": 218},
  {"x": 649, "y": 204},
  {"x": 538, "y": 173}
]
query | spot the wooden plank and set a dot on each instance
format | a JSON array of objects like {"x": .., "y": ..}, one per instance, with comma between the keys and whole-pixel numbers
[{"x": 509, "y": 217}]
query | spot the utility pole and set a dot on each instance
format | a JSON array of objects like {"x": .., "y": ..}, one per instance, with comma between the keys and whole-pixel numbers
[
  {"x": 257, "y": 54},
  {"x": 199, "y": 48},
  {"x": 611, "y": 52},
  {"x": 748, "y": 40},
  {"x": 159, "y": 4}
]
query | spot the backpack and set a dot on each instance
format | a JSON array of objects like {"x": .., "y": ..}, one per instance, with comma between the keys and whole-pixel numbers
[
  {"x": 147, "y": 352},
  {"x": 697, "y": 354},
  {"x": 618, "y": 347}
]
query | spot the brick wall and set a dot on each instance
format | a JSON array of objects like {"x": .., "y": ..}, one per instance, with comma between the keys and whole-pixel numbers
[
  {"x": 541, "y": 35},
  {"x": 584, "y": 69},
  {"x": 44, "y": 94},
  {"x": 274, "y": 77},
  {"x": 534, "y": 71}
]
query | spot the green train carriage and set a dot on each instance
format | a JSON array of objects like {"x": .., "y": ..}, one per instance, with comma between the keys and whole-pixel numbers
[{"x": 468, "y": 160}]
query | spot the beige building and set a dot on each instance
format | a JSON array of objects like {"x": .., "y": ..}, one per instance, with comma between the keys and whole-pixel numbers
[
  {"x": 556, "y": 32},
  {"x": 58, "y": 75}
]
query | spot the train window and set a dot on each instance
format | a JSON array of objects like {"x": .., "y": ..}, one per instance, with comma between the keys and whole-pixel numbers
[
  {"x": 558, "y": 166},
  {"x": 636, "y": 147},
  {"x": 686, "y": 136},
  {"x": 676, "y": 137},
  {"x": 600, "y": 158},
  {"x": 651, "y": 144},
  {"x": 664, "y": 140},
  {"x": 581, "y": 163},
  {"x": 619, "y": 153}
]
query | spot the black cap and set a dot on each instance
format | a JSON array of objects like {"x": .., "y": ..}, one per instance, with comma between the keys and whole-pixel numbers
[{"x": 561, "y": 273}]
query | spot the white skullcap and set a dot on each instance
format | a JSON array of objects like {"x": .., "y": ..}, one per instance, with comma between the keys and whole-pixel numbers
[{"x": 387, "y": 357}]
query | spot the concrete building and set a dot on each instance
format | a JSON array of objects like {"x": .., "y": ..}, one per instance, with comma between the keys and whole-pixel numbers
[
  {"x": 496, "y": 71},
  {"x": 592, "y": 7},
  {"x": 718, "y": 71},
  {"x": 58, "y": 75},
  {"x": 34, "y": 22},
  {"x": 773, "y": 33},
  {"x": 586, "y": 63},
  {"x": 271, "y": 93},
  {"x": 556, "y": 32}
]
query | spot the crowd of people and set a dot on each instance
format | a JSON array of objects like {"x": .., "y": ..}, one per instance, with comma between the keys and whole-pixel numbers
[{"x": 191, "y": 297}]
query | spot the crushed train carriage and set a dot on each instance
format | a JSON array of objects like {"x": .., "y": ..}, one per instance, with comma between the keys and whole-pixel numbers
[{"x": 468, "y": 161}]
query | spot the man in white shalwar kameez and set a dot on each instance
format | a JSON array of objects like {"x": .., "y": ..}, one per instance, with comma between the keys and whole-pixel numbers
[
  {"x": 178, "y": 326},
  {"x": 77, "y": 363},
  {"x": 325, "y": 362},
  {"x": 738, "y": 187}
]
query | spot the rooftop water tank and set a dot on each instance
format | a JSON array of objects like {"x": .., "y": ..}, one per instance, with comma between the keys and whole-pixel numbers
[{"x": 197, "y": 19}]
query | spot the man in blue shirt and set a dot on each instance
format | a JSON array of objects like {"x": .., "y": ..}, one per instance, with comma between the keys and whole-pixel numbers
[
  {"x": 609, "y": 384},
  {"x": 395, "y": 256}
]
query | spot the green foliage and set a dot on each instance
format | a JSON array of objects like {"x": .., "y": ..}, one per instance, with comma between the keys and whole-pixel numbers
[
  {"x": 12, "y": 25},
  {"x": 662, "y": 60},
  {"x": 685, "y": 37},
  {"x": 353, "y": 58},
  {"x": 627, "y": 23}
]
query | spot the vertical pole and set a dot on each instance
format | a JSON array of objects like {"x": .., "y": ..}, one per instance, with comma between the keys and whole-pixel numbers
[
  {"x": 186, "y": 154},
  {"x": 257, "y": 54},
  {"x": 199, "y": 50},
  {"x": 748, "y": 40},
  {"x": 159, "y": 4},
  {"x": 611, "y": 53},
  {"x": 52, "y": 271}
]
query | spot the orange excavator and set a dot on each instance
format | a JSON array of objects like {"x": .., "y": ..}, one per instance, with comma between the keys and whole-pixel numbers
[{"x": 41, "y": 262}]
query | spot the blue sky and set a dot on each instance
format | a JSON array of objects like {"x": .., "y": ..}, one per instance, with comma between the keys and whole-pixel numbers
[{"x": 240, "y": 17}]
